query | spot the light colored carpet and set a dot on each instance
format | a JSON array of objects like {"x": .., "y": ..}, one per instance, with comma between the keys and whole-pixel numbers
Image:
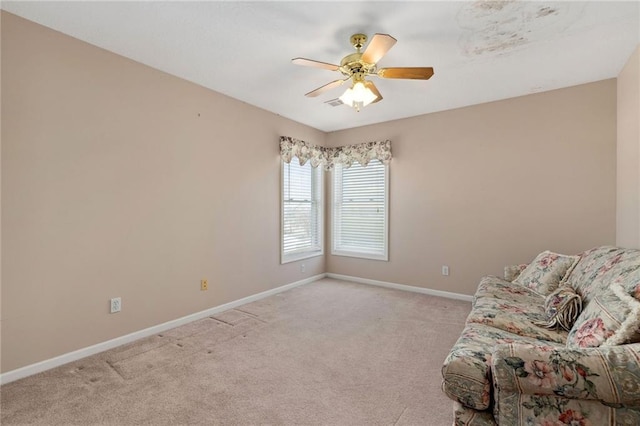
[{"x": 327, "y": 353}]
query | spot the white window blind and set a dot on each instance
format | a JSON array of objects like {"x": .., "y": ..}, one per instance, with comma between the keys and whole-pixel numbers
[
  {"x": 301, "y": 211},
  {"x": 360, "y": 210}
]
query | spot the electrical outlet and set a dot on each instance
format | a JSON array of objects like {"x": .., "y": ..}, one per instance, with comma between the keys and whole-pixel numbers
[
  {"x": 445, "y": 270},
  {"x": 204, "y": 285},
  {"x": 303, "y": 268},
  {"x": 116, "y": 305}
]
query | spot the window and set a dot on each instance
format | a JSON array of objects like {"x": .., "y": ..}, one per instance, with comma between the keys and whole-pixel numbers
[
  {"x": 360, "y": 211},
  {"x": 301, "y": 211}
]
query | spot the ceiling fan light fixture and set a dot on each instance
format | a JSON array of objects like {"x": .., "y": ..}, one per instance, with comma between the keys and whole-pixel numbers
[{"x": 358, "y": 96}]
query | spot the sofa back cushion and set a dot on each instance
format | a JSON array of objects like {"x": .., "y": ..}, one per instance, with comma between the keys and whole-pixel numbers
[
  {"x": 511, "y": 272},
  {"x": 611, "y": 318},
  {"x": 544, "y": 274},
  {"x": 600, "y": 267}
]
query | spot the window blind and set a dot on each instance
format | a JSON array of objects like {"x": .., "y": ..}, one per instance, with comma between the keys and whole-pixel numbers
[
  {"x": 301, "y": 211},
  {"x": 360, "y": 210}
]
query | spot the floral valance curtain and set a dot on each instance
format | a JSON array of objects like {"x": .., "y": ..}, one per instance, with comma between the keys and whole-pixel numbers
[{"x": 329, "y": 157}]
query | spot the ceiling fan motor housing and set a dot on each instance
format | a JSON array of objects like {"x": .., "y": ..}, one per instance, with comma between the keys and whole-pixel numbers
[{"x": 352, "y": 64}]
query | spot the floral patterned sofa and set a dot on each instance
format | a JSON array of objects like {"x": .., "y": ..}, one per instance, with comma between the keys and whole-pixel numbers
[{"x": 508, "y": 368}]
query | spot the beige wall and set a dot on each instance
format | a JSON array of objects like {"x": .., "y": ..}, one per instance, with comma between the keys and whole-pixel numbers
[
  {"x": 628, "y": 169},
  {"x": 117, "y": 181},
  {"x": 494, "y": 184}
]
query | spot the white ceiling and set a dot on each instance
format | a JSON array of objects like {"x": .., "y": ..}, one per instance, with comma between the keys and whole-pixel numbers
[{"x": 481, "y": 51}]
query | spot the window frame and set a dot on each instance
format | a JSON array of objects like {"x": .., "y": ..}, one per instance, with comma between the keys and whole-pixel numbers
[
  {"x": 317, "y": 178},
  {"x": 353, "y": 253}
]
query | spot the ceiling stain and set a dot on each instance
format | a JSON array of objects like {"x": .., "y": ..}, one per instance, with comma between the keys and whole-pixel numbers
[
  {"x": 497, "y": 27},
  {"x": 491, "y": 4},
  {"x": 544, "y": 11}
]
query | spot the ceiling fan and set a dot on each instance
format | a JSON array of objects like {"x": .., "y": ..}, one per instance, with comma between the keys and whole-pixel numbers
[{"x": 357, "y": 66}]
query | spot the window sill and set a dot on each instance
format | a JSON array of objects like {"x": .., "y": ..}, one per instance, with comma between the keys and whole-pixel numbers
[
  {"x": 359, "y": 255},
  {"x": 300, "y": 256}
]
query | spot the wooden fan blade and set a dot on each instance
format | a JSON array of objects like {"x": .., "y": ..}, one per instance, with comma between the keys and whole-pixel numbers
[
  {"x": 419, "y": 73},
  {"x": 315, "y": 64},
  {"x": 328, "y": 86},
  {"x": 374, "y": 89},
  {"x": 378, "y": 47}
]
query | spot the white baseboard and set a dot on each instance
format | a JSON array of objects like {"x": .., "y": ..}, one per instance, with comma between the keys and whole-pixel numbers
[
  {"x": 440, "y": 293},
  {"x": 48, "y": 364}
]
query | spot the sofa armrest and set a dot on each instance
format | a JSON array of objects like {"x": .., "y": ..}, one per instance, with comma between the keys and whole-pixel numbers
[
  {"x": 511, "y": 272},
  {"x": 608, "y": 374}
]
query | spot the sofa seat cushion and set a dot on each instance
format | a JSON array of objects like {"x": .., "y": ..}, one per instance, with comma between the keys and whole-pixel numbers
[
  {"x": 493, "y": 287},
  {"x": 512, "y": 307},
  {"x": 521, "y": 318},
  {"x": 466, "y": 370}
]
